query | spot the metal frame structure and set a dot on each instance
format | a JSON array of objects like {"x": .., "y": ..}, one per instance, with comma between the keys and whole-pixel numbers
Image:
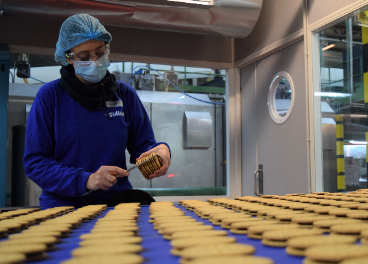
[
  {"x": 4, "y": 94},
  {"x": 312, "y": 54}
]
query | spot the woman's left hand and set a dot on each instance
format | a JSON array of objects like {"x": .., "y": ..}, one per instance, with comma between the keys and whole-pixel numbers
[{"x": 164, "y": 153}]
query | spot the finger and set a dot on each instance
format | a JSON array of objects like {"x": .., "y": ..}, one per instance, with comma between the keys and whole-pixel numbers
[
  {"x": 106, "y": 185},
  {"x": 116, "y": 175},
  {"x": 159, "y": 172},
  {"x": 143, "y": 155},
  {"x": 113, "y": 170}
]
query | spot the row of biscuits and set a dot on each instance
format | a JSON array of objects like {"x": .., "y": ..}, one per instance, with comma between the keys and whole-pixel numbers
[
  {"x": 195, "y": 242},
  {"x": 113, "y": 239},
  {"x": 46, "y": 229},
  {"x": 346, "y": 226}
]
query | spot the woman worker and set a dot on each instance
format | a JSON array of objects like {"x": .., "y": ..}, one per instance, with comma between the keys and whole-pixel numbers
[{"x": 80, "y": 125}]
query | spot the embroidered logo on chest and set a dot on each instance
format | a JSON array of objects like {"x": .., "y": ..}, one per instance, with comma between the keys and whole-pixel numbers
[{"x": 116, "y": 113}]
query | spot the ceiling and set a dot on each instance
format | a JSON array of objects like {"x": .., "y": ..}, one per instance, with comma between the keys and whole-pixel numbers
[{"x": 230, "y": 18}]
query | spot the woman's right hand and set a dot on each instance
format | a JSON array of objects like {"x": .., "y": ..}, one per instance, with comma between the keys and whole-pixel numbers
[{"x": 105, "y": 177}]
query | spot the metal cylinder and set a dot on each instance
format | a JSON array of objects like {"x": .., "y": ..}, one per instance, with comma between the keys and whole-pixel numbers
[{"x": 19, "y": 178}]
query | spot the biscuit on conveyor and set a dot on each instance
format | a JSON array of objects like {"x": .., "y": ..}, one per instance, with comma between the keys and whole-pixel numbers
[
  {"x": 12, "y": 258},
  {"x": 256, "y": 232},
  {"x": 307, "y": 221},
  {"x": 198, "y": 233},
  {"x": 108, "y": 229},
  {"x": 256, "y": 209},
  {"x": 227, "y": 222},
  {"x": 272, "y": 214},
  {"x": 323, "y": 210},
  {"x": 123, "y": 218},
  {"x": 168, "y": 218},
  {"x": 364, "y": 237},
  {"x": 3, "y": 232},
  {"x": 74, "y": 222},
  {"x": 217, "y": 219},
  {"x": 232, "y": 260},
  {"x": 111, "y": 240},
  {"x": 333, "y": 254},
  {"x": 64, "y": 230},
  {"x": 296, "y": 246},
  {"x": 169, "y": 231},
  {"x": 96, "y": 250},
  {"x": 340, "y": 212},
  {"x": 263, "y": 213},
  {"x": 206, "y": 214},
  {"x": 110, "y": 259},
  {"x": 22, "y": 235},
  {"x": 353, "y": 229},
  {"x": 327, "y": 223},
  {"x": 33, "y": 252},
  {"x": 311, "y": 209},
  {"x": 49, "y": 241},
  {"x": 232, "y": 249},
  {"x": 181, "y": 243},
  {"x": 286, "y": 218},
  {"x": 278, "y": 238},
  {"x": 128, "y": 213},
  {"x": 351, "y": 205},
  {"x": 242, "y": 227},
  {"x": 114, "y": 223},
  {"x": 24, "y": 223},
  {"x": 359, "y": 260},
  {"x": 11, "y": 227},
  {"x": 358, "y": 214},
  {"x": 105, "y": 235},
  {"x": 160, "y": 220},
  {"x": 299, "y": 206},
  {"x": 161, "y": 228}
]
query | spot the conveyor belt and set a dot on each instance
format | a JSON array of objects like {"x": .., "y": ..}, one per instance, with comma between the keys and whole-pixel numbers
[{"x": 156, "y": 248}]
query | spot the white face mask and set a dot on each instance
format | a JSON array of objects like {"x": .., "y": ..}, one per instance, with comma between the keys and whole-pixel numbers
[{"x": 92, "y": 71}]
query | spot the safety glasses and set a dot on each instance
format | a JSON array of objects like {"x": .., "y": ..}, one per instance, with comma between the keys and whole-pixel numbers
[{"x": 88, "y": 55}]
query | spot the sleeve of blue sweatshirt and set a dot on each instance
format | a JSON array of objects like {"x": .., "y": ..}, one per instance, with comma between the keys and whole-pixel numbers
[
  {"x": 141, "y": 137},
  {"x": 39, "y": 162}
]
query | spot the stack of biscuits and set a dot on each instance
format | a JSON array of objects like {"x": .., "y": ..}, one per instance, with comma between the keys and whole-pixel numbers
[{"x": 149, "y": 164}]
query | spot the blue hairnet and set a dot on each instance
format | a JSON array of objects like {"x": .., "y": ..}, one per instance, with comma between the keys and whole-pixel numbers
[{"x": 78, "y": 29}]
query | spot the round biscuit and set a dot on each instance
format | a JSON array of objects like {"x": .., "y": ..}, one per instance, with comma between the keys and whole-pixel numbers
[
  {"x": 199, "y": 233},
  {"x": 352, "y": 228},
  {"x": 360, "y": 260},
  {"x": 181, "y": 243},
  {"x": 282, "y": 235},
  {"x": 100, "y": 235},
  {"x": 217, "y": 250},
  {"x": 111, "y": 240},
  {"x": 314, "y": 240},
  {"x": 327, "y": 223},
  {"x": 9, "y": 258},
  {"x": 111, "y": 259},
  {"x": 335, "y": 253},
  {"x": 106, "y": 250},
  {"x": 362, "y": 215}
]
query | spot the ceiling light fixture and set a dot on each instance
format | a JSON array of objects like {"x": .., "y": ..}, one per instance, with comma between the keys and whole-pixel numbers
[
  {"x": 197, "y": 2},
  {"x": 328, "y": 47},
  {"x": 331, "y": 94},
  {"x": 358, "y": 142}
]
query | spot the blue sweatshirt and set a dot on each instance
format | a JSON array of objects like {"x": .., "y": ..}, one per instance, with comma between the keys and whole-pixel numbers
[{"x": 66, "y": 143}]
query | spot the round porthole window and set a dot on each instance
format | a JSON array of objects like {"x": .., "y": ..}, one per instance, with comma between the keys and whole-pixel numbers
[{"x": 281, "y": 97}]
